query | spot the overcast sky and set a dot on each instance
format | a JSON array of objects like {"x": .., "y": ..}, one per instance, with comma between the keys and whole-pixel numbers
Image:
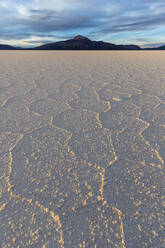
[{"x": 34, "y": 22}]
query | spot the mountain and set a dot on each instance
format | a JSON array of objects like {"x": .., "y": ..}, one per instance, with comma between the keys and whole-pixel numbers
[
  {"x": 6, "y": 47},
  {"x": 155, "y": 48},
  {"x": 129, "y": 47},
  {"x": 161, "y": 48},
  {"x": 83, "y": 43}
]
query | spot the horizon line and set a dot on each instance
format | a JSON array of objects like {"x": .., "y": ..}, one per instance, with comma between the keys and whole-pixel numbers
[{"x": 38, "y": 44}]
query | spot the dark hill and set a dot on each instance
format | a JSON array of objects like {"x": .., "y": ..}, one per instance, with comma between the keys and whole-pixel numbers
[
  {"x": 6, "y": 47},
  {"x": 161, "y": 48},
  {"x": 129, "y": 47},
  {"x": 155, "y": 48},
  {"x": 83, "y": 43}
]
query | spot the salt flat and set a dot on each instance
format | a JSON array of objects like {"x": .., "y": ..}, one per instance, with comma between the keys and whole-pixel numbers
[{"x": 82, "y": 149}]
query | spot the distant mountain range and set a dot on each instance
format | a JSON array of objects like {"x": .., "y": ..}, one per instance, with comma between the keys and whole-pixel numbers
[
  {"x": 81, "y": 43},
  {"x": 156, "y": 48},
  {"x": 6, "y": 47}
]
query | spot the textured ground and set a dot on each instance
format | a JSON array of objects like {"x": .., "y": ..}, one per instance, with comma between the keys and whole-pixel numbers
[{"x": 82, "y": 149}]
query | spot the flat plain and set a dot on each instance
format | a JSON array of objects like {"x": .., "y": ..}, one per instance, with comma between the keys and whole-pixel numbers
[{"x": 82, "y": 149}]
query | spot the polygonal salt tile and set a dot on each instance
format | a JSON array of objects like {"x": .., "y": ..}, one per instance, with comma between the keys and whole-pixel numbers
[
  {"x": 66, "y": 92},
  {"x": 94, "y": 146},
  {"x": 89, "y": 99},
  {"x": 15, "y": 117},
  {"x": 48, "y": 107},
  {"x": 120, "y": 115},
  {"x": 134, "y": 147},
  {"x": 77, "y": 120}
]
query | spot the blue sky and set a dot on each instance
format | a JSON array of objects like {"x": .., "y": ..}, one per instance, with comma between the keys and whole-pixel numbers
[{"x": 34, "y": 22}]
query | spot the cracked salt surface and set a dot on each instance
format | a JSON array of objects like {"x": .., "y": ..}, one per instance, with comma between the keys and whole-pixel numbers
[{"x": 82, "y": 149}]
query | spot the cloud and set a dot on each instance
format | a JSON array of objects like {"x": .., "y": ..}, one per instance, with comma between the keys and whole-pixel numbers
[
  {"x": 136, "y": 25},
  {"x": 21, "y": 19}
]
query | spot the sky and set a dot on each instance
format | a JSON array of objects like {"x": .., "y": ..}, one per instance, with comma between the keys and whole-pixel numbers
[{"x": 31, "y": 23}]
